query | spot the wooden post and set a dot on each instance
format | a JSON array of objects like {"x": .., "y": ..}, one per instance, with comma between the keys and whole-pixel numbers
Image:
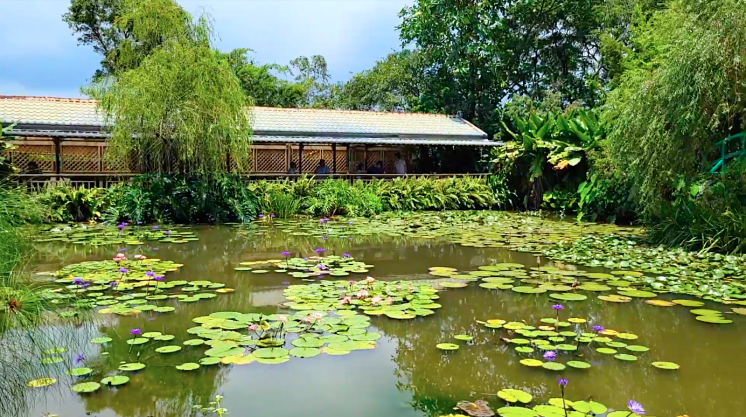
[
  {"x": 349, "y": 169},
  {"x": 228, "y": 162},
  {"x": 57, "y": 158},
  {"x": 334, "y": 158},
  {"x": 300, "y": 158}
]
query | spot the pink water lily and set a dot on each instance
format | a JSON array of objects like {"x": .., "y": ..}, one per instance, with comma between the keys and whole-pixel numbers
[
  {"x": 120, "y": 257},
  {"x": 253, "y": 327},
  {"x": 317, "y": 316},
  {"x": 139, "y": 257},
  {"x": 362, "y": 294},
  {"x": 345, "y": 300},
  {"x": 376, "y": 300},
  {"x": 398, "y": 287},
  {"x": 282, "y": 319},
  {"x": 411, "y": 289},
  {"x": 370, "y": 280},
  {"x": 389, "y": 300}
]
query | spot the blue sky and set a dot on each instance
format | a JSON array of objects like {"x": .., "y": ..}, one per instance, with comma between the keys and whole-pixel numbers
[{"x": 39, "y": 55}]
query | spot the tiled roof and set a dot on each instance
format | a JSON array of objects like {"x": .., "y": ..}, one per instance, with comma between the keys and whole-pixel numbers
[{"x": 51, "y": 111}]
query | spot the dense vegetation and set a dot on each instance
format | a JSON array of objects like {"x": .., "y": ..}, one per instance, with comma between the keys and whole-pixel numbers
[{"x": 181, "y": 199}]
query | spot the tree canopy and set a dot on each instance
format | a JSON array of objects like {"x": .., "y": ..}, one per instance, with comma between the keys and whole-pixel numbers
[{"x": 181, "y": 108}]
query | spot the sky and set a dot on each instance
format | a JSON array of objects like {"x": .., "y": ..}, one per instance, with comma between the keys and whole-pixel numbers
[{"x": 40, "y": 56}]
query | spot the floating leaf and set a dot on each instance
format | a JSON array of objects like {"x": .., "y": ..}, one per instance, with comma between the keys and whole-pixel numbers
[
  {"x": 99, "y": 340},
  {"x": 478, "y": 408},
  {"x": 615, "y": 298},
  {"x": 447, "y": 346},
  {"x": 579, "y": 364},
  {"x": 660, "y": 303},
  {"x": 514, "y": 395},
  {"x": 168, "y": 349},
  {"x": 270, "y": 353},
  {"x": 464, "y": 337},
  {"x": 272, "y": 361},
  {"x": 115, "y": 380},
  {"x": 553, "y": 366},
  {"x": 606, "y": 351},
  {"x": 516, "y": 412},
  {"x": 589, "y": 407},
  {"x": 41, "y": 382},
  {"x": 137, "y": 341},
  {"x": 714, "y": 319},
  {"x": 308, "y": 352},
  {"x": 131, "y": 367},
  {"x": 666, "y": 365},
  {"x": 189, "y": 366},
  {"x": 689, "y": 303},
  {"x": 52, "y": 360},
  {"x": 568, "y": 296},
  {"x": 79, "y": 371},
  {"x": 626, "y": 357},
  {"x": 86, "y": 387},
  {"x": 531, "y": 362},
  {"x": 637, "y": 348}
]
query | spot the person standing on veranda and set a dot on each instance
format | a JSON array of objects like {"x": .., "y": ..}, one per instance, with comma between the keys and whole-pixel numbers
[{"x": 400, "y": 166}]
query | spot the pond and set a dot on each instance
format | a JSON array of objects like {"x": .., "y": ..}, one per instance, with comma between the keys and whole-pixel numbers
[{"x": 405, "y": 374}]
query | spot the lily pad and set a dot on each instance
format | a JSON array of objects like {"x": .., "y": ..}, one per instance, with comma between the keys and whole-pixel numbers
[
  {"x": 689, "y": 303},
  {"x": 464, "y": 337},
  {"x": 79, "y": 371},
  {"x": 273, "y": 361},
  {"x": 531, "y": 362},
  {"x": 578, "y": 364},
  {"x": 606, "y": 351},
  {"x": 137, "y": 341},
  {"x": 131, "y": 367},
  {"x": 85, "y": 387},
  {"x": 626, "y": 357},
  {"x": 568, "y": 296},
  {"x": 514, "y": 396},
  {"x": 589, "y": 407},
  {"x": 614, "y": 298},
  {"x": 271, "y": 353},
  {"x": 41, "y": 382},
  {"x": 516, "y": 412},
  {"x": 447, "y": 346},
  {"x": 52, "y": 360},
  {"x": 637, "y": 348},
  {"x": 189, "y": 366},
  {"x": 115, "y": 380},
  {"x": 713, "y": 319},
  {"x": 553, "y": 366},
  {"x": 168, "y": 349},
  {"x": 99, "y": 340},
  {"x": 666, "y": 365},
  {"x": 307, "y": 352}
]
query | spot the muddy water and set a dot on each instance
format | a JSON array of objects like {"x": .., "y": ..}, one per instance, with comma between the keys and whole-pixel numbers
[{"x": 405, "y": 375}]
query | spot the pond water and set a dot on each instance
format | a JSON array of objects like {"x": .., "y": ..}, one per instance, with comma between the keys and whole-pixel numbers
[{"x": 405, "y": 375}]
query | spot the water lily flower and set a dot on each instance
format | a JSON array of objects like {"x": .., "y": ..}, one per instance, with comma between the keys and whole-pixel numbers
[
  {"x": 323, "y": 220},
  {"x": 136, "y": 332},
  {"x": 86, "y": 284},
  {"x": 389, "y": 300},
  {"x": 376, "y": 300},
  {"x": 282, "y": 319},
  {"x": 319, "y": 250},
  {"x": 253, "y": 327},
  {"x": 550, "y": 355},
  {"x": 121, "y": 226},
  {"x": 317, "y": 315},
  {"x": 345, "y": 300},
  {"x": 350, "y": 223},
  {"x": 411, "y": 288},
  {"x": 78, "y": 281},
  {"x": 80, "y": 358},
  {"x": 598, "y": 329},
  {"x": 397, "y": 287},
  {"x": 370, "y": 280},
  {"x": 321, "y": 266},
  {"x": 352, "y": 282},
  {"x": 286, "y": 253},
  {"x": 167, "y": 233},
  {"x": 140, "y": 257},
  {"x": 635, "y": 407},
  {"x": 158, "y": 277},
  {"x": 123, "y": 270},
  {"x": 121, "y": 250},
  {"x": 562, "y": 382},
  {"x": 346, "y": 255},
  {"x": 272, "y": 216},
  {"x": 558, "y": 307},
  {"x": 261, "y": 216},
  {"x": 150, "y": 273},
  {"x": 113, "y": 284},
  {"x": 155, "y": 227},
  {"x": 362, "y": 294}
]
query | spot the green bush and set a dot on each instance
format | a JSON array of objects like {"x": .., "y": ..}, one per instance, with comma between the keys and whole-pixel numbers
[
  {"x": 68, "y": 203},
  {"x": 339, "y": 197}
]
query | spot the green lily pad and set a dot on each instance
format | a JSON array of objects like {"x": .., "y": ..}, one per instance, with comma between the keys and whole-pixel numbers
[
  {"x": 115, "y": 380},
  {"x": 529, "y": 290},
  {"x": 589, "y": 407},
  {"x": 151, "y": 335},
  {"x": 193, "y": 342},
  {"x": 273, "y": 361},
  {"x": 713, "y": 319},
  {"x": 307, "y": 352},
  {"x": 52, "y": 360},
  {"x": 54, "y": 351},
  {"x": 637, "y": 348},
  {"x": 270, "y": 353},
  {"x": 307, "y": 342},
  {"x": 168, "y": 349},
  {"x": 568, "y": 296},
  {"x": 689, "y": 303},
  {"x": 606, "y": 351},
  {"x": 85, "y": 387},
  {"x": 99, "y": 340},
  {"x": 626, "y": 357},
  {"x": 209, "y": 361},
  {"x": 447, "y": 346},
  {"x": 131, "y": 367},
  {"x": 637, "y": 293},
  {"x": 666, "y": 365},
  {"x": 516, "y": 412},
  {"x": 79, "y": 371},
  {"x": 137, "y": 341},
  {"x": 705, "y": 312},
  {"x": 578, "y": 364},
  {"x": 189, "y": 366},
  {"x": 464, "y": 337},
  {"x": 553, "y": 366},
  {"x": 524, "y": 349},
  {"x": 514, "y": 396}
]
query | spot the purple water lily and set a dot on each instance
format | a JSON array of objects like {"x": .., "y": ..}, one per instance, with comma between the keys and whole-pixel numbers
[
  {"x": 167, "y": 233},
  {"x": 121, "y": 249},
  {"x": 139, "y": 222},
  {"x": 319, "y": 250},
  {"x": 135, "y": 332},
  {"x": 78, "y": 281},
  {"x": 350, "y": 223},
  {"x": 80, "y": 358},
  {"x": 286, "y": 253},
  {"x": 121, "y": 226},
  {"x": 562, "y": 382},
  {"x": 155, "y": 227},
  {"x": 550, "y": 355},
  {"x": 558, "y": 307},
  {"x": 323, "y": 220},
  {"x": 158, "y": 277},
  {"x": 86, "y": 284},
  {"x": 598, "y": 329},
  {"x": 261, "y": 216},
  {"x": 346, "y": 255},
  {"x": 113, "y": 284},
  {"x": 150, "y": 273},
  {"x": 321, "y": 266},
  {"x": 123, "y": 270},
  {"x": 272, "y": 216},
  {"x": 635, "y": 407}
]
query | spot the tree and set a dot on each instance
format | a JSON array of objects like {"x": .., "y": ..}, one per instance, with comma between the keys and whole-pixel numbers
[
  {"x": 668, "y": 114},
  {"x": 124, "y": 40},
  {"x": 260, "y": 83},
  {"x": 393, "y": 84},
  {"x": 312, "y": 73},
  {"x": 182, "y": 109}
]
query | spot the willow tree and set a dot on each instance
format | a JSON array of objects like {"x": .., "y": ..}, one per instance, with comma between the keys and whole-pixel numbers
[{"x": 181, "y": 109}]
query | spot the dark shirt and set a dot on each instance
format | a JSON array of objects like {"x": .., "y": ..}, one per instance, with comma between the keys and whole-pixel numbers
[{"x": 375, "y": 170}]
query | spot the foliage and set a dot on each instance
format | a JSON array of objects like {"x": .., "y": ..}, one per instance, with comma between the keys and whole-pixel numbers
[
  {"x": 179, "y": 199},
  {"x": 393, "y": 84},
  {"x": 549, "y": 152},
  {"x": 479, "y": 54},
  {"x": 413, "y": 193},
  {"x": 668, "y": 116},
  {"x": 68, "y": 203},
  {"x": 181, "y": 109},
  {"x": 337, "y": 197},
  {"x": 5, "y": 166}
]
